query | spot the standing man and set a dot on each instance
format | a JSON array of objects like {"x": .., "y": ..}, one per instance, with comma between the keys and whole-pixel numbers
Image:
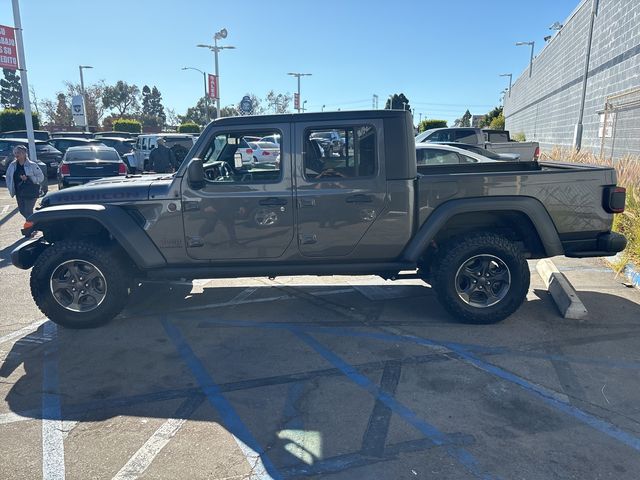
[
  {"x": 162, "y": 159},
  {"x": 23, "y": 180}
]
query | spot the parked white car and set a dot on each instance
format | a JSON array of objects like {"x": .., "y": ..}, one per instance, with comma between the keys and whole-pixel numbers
[
  {"x": 438, "y": 154},
  {"x": 265, "y": 152},
  {"x": 145, "y": 143}
]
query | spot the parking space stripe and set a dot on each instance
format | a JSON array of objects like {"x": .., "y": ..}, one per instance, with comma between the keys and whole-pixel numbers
[
  {"x": 261, "y": 466},
  {"x": 23, "y": 331},
  {"x": 52, "y": 428},
  {"x": 143, "y": 458},
  {"x": 463, "y": 457},
  {"x": 5, "y": 209}
]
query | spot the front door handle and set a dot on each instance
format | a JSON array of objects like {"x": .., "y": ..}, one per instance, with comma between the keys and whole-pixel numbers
[
  {"x": 272, "y": 201},
  {"x": 360, "y": 199}
]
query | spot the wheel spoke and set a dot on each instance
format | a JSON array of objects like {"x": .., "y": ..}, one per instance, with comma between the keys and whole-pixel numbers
[{"x": 500, "y": 275}]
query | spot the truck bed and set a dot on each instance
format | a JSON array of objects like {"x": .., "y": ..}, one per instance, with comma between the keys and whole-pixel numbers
[{"x": 571, "y": 193}]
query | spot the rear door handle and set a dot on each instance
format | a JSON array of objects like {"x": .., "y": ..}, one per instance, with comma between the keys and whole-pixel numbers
[
  {"x": 360, "y": 199},
  {"x": 272, "y": 201}
]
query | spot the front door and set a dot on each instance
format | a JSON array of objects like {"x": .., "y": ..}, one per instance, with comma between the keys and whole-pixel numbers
[
  {"x": 245, "y": 210},
  {"x": 341, "y": 186}
]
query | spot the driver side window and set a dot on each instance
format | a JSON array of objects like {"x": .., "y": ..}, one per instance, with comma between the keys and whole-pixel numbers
[{"x": 243, "y": 157}]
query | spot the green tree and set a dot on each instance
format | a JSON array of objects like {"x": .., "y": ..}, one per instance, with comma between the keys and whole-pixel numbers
[
  {"x": 229, "y": 111},
  {"x": 121, "y": 97},
  {"x": 429, "y": 124},
  {"x": 488, "y": 118},
  {"x": 497, "y": 123},
  {"x": 398, "y": 102},
  {"x": 189, "y": 127},
  {"x": 465, "y": 121},
  {"x": 198, "y": 113},
  {"x": 152, "y": 109},
  {"x": 127, "y": 125},
  {"x": 11, "y": 90},
  {"x": 13, "y": 119}
]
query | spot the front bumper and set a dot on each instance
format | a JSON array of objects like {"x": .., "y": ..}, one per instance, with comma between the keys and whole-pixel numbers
[{"x": 604, "y": 245}]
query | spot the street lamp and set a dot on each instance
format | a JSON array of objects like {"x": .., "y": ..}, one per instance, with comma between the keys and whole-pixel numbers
[
  {"x": 303, "y": 104},
  {"x": 206, "y": 97},
  {"x": 510, "y": 77},
  {"x": 518, "y": 44},
  {"x": 298, "y": 75},
  {"x": 215, "y": 49},
  {"x": 84, "y": 97},
  {"x": 323, "y": 108}
]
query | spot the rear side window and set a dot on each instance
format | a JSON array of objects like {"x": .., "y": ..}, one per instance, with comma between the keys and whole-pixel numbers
[
  {"x": 348, "y": 152},
  {"x": 466, "y": 136},
  {"x": 436, "y": 156},
  {"x": 441, "y": 136}
]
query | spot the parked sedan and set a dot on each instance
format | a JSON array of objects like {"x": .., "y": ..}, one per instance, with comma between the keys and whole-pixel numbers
[
  {"x": 83, "y": 164},
  {"x": 264, "y": 152},
  {"x": 509, "y": 157},
  {"x": 63, "y": 143}
]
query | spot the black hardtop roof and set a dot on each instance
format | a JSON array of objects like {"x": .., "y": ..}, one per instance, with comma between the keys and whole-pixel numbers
[{"x": 310, "y": 117}]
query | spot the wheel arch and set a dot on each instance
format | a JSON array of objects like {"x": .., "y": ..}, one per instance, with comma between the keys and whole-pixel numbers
[{"x": 526, "y": 217}]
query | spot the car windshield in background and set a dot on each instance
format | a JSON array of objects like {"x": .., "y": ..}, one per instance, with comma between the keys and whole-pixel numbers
[
  {"x": 92, "y": 155},
  {"x": 45, "y": 148}
]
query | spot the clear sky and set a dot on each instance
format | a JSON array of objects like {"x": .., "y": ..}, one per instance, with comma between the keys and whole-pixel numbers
[{"x": 445, "y": 56}]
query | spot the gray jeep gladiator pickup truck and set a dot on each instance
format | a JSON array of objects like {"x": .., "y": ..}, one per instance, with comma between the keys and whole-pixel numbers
[{"x": 466, "y": 229}]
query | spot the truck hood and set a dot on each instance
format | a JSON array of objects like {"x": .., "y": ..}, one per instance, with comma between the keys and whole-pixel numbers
[{"x": 111, "y": 190}]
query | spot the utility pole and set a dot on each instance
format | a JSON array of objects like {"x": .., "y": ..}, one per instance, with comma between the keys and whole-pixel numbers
[
  {"x": 24, "y": 81},
  {"x": 215, "y": 49},
  {"x": 375, "y": 102},
  {"x": 84, "y": 98},
  {"x": 298, "y": 75}
]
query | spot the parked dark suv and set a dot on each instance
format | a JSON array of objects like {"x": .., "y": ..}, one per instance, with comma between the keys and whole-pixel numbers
[
  {"x": 63, "y": 143},
  {"x": 45, "y": 153}
]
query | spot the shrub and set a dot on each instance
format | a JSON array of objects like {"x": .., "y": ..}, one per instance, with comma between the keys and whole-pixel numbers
[
  {"x": 518, "y": 137},
  {"x": 189, "y": 127},
  {"x": 11, "y": 119},
  {"x": 127, "y": 125},
  {"x": 428, "y": 124},
  {"x": 497, "y": 123}
]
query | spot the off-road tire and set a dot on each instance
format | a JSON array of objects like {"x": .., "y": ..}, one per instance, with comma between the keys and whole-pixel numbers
[
  {"x": 110, "y": 264},
  {"x": 457, "y": 253}
]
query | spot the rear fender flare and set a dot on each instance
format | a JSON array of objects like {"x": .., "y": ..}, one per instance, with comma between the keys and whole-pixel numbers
[{"x": 529, "y": 206}]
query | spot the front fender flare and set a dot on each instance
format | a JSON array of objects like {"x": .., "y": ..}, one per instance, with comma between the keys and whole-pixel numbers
[
  {"x": 131, "y": 236},
  {"x": 529, "y": 206}
]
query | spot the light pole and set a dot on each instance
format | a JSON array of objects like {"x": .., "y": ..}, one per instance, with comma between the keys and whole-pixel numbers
[
  {"x": 518, "y": 44},
  {"x": 510, "y": 77},
  {"x": 215, "y": 49},
  {"x": 206, "y": 97},
  {"x": 303, "y": 104},
  {"x": 323, "y": 108},
  {"x": 298, "y": 75},
  {"x": 84, "y": 97}
]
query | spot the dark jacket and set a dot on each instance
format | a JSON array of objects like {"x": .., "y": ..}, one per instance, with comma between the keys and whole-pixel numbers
[{"x": 162, "y": 159}]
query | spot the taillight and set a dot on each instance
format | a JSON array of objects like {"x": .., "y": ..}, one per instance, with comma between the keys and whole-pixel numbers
[
  {"x": 614, "y": 199},
  {"x": 249, "y": 151},
  {"x": 64, "y": 170},
  {"x": 536, "y": 154},
  {"x": 122, "y": 169},
  {"x": 266, "y": 153}
]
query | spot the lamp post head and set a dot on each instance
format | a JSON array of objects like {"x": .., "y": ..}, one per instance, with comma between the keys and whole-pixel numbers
[
  {"x": 505, "y": 74},
  {"x": 86, "y": 66},
  {"x": 555, "y": 26},
  {"x": 524, "y": 43},
  {"x": 221, "y": 34}
]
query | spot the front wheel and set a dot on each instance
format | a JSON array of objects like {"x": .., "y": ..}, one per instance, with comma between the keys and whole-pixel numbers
[
  {"x": 481, "y": 278},
  {"x": 78, "y": 284}
]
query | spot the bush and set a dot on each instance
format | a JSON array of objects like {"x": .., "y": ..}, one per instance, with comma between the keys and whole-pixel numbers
[
  {"x": 429, "y": 124},
  {"x": 189, "y": 127},
  {"x": 497, "y": 123},
  {"x": 127, "y": 125},
  {"x": 519, "y": 137},
  {"x": 11, "y": 119}
]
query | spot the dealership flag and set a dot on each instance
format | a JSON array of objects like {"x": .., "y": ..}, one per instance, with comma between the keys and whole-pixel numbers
[
  {"x": 8, "y": 53},
  {"x": 213, "y": 86}
]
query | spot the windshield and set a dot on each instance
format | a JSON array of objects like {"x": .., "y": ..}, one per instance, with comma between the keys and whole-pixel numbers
[{"x": 85, "y": 155}]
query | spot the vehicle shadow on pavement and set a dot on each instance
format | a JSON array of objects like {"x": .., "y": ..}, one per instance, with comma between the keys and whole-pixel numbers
[
  {"x": 266, "y": 385},
  {"x": 5, "y": 253}
]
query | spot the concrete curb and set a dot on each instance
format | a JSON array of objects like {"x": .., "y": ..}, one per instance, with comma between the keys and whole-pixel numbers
[{"x": 561, "y": 290}]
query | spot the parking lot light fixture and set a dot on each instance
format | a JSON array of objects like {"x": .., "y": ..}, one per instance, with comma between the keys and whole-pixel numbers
[
  {"x": 298, "y": 75},
  {"x": 215, "y": 49},
  {"x": 84, "y": 96},
  {"x": 519, "y": 44},
  {"x": 206, "y": 96},
  {"x": 510, "y": 78}
]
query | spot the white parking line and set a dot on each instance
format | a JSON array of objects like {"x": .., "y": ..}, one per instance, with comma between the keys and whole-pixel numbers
[
  {"x": 52, "y": 425},
  {"x": 23, "y": 331},
  {"x": 5, "y": 209}
]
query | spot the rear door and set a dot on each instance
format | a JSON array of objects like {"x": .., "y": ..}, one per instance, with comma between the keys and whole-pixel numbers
[
  {"x": 243, "y": 211},
  {"x": 340, "y": 192}
]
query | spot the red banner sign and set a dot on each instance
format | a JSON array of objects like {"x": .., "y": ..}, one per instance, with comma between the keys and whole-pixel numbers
[
  {"x": 8, "y": 53},
  {"x": 296, "y": 101},
  {"x": 213, "y": 86}
]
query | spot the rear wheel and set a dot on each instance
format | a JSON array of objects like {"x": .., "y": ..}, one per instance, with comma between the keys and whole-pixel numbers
[
  {"x": 481, "y": 278},
  {"x": 78, "y": 284}
]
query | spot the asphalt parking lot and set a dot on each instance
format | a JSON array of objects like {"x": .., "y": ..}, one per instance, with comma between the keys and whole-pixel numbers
[{"x": 336, "y": 377}]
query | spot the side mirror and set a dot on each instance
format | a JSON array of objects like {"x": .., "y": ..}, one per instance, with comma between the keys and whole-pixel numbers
[{"x": 195, "y": 174}]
